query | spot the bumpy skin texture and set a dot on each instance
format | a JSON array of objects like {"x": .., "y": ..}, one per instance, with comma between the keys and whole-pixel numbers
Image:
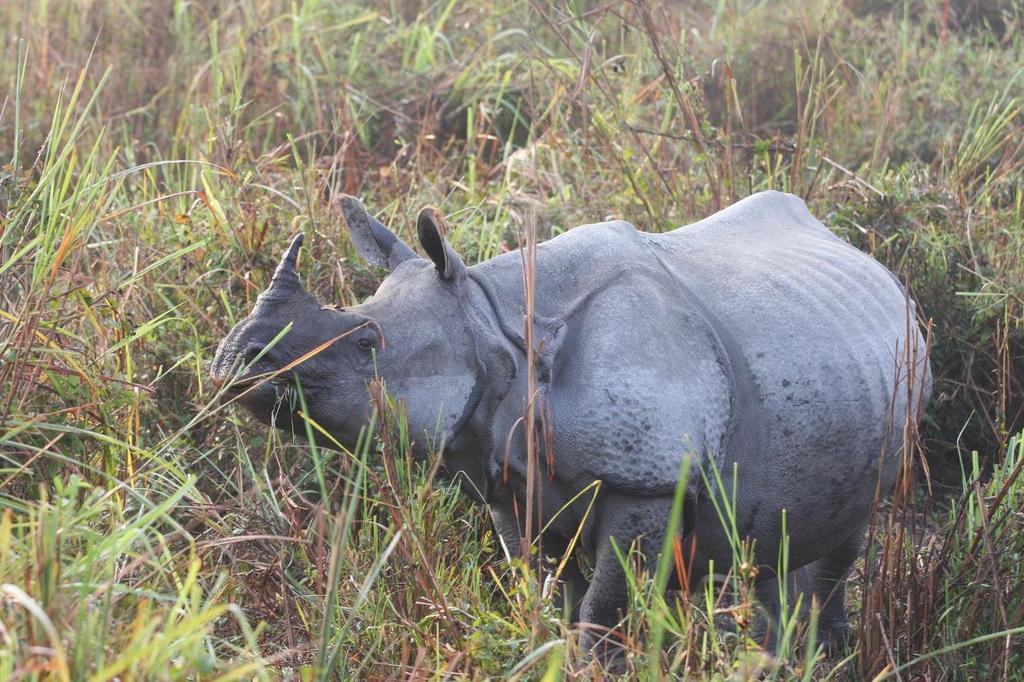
[{"x": 754, "y": 341}]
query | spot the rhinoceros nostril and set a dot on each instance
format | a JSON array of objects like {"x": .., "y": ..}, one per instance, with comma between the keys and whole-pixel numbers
[{"x": 253, "y": 353}]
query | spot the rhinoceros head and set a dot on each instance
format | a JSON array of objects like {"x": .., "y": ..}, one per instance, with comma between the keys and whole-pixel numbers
[{"x": 412, "y": 334}]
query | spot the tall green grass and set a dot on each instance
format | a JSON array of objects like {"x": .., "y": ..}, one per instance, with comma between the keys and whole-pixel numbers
[{"x": 157, "y": 154}]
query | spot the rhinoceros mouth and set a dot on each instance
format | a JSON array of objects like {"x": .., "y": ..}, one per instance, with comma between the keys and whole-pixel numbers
[
  {"x": 269, "y": 398},
  {"x": 258, "y": 389}
]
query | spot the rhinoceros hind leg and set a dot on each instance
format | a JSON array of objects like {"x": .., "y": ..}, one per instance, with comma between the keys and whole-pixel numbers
[
  {"x": 828, "y": 575},
  {"x": 822, "y": 581},
  {"x": 765, "y": 628}
]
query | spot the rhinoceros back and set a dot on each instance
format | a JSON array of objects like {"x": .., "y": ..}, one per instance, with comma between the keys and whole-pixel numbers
[{"x": 821, "y": 333}]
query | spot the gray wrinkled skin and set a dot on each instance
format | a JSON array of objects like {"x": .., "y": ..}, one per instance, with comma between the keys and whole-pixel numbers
[{"x": 752, "y": 339}]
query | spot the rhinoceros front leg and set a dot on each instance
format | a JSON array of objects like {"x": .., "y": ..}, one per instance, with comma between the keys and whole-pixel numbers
[
  {"x": 573, "y": 583},
  {"x": 624, "y": 520},
  {"x": 507, "y": 527}
]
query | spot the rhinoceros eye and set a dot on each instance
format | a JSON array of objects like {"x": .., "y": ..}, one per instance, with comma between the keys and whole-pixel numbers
[{"x": 365, "y": 343}]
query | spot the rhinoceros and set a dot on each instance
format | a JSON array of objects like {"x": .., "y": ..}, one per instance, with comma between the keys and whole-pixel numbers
[{"x": 754, "y": 342}]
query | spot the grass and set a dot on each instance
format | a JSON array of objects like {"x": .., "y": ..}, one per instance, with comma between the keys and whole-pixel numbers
[{"x": 157, "y": 155}]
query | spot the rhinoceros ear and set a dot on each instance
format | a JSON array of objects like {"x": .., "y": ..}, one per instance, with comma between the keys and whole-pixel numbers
[
  {"x": 374, "y": 242},
  {"x": 430, "y": 228}
]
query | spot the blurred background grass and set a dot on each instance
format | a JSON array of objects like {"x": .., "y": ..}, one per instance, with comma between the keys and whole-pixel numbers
[{"x": 157, "y": 155}]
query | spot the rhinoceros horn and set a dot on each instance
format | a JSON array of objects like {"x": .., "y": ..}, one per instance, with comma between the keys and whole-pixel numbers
[{"x": 285, "y": 281}]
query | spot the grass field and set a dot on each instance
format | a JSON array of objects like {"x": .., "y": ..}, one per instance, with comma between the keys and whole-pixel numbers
[{"x": 158, "y": 154}]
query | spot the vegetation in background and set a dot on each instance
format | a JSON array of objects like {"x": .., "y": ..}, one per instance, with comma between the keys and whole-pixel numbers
[{"x": 158, "y": 154}]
